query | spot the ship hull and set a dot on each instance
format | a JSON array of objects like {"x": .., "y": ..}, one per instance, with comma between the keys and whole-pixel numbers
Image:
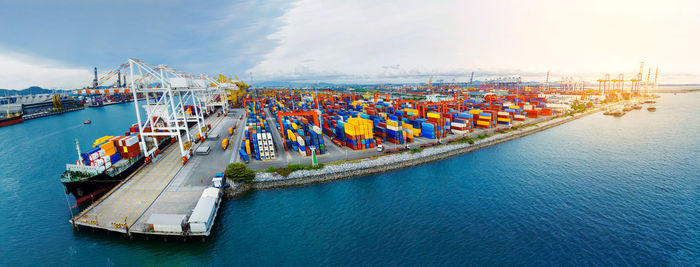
[
  {"x": 97, "y": 182},
  {"x": 11, "y": 121}
]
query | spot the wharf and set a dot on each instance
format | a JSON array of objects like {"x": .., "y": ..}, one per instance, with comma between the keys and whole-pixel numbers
[
  {"x": 45, "y": 114},
  {"x": 164, "y": 186}
]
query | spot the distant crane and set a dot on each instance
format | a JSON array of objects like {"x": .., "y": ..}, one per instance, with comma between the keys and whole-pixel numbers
[
  {"x": 471, "y": 79},
  {"x": 640, "y": 77},
  {"x": 648, "y": 80},
  {"x": 604, "y": 83},
  {"x": 546, "y": 81},
  {"x": 656, "y": 76},
  {"x": 94, "y": 82}
]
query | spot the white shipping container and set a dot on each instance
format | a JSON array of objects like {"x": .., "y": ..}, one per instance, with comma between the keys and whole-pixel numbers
[
  {"x": 205, "y": 211},
  {"x": 131, "y": 140},
  {"x": 166, "y": 223},
  {"x": 501, "y": 113},
  {"x": 102, "y": 153}
]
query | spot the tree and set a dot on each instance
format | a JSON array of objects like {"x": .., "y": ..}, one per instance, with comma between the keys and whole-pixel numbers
[{"x": 239, "y": 172}]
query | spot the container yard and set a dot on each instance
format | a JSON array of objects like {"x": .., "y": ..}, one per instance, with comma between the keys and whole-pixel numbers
[{"x": 192, "y": 127}]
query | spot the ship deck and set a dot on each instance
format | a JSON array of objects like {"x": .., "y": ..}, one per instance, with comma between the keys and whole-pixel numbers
[{"x": 163, "y": 186}]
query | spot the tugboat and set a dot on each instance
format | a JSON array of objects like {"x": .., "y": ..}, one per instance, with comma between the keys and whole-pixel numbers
[{"x": 87, "y": 122}]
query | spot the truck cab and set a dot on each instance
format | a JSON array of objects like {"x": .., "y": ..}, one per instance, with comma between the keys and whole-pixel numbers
[{"x": 218, "y": 181}]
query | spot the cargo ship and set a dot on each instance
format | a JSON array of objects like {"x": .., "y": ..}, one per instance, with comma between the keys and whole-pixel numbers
[
  {"x": 10, "y": 120},
  {"x": 111, "y": 160}
]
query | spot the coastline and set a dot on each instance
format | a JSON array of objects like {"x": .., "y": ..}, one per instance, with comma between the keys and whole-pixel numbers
[{"x": 368, "y": 166}]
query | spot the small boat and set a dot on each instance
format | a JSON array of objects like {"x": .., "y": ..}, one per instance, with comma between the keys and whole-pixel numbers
[
  {"x": 637, "y": 106},
  {"x": 651, "y": 108},
  {"x": 627, "y": 108},
  {"x": 618, "y": 113},
  {"x": 87, "y": 122}
]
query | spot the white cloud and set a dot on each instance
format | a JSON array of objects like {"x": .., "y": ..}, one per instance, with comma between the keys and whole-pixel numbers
[
  {"x": 19, "y": 71},
  {"x": 372, "y": 40}
]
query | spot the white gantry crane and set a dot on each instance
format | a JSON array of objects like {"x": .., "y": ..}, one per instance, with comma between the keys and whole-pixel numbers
[{"x": 171, "y": 101}]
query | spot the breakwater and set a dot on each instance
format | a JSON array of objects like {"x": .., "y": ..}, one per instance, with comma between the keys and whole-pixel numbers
[{"x": 394, "y": 161}]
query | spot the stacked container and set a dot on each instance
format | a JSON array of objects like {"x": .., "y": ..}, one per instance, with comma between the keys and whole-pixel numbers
[
  {"x": 462, "y": 124},
  {"x": 504, "y": 118},
  {"x": 435, "y": 126},
  {"x": 394, "y": 133},
  {"x": 258, "y": 140},
  {"x": 359, "y": 133},
  {"x": 484, "y": 120}
]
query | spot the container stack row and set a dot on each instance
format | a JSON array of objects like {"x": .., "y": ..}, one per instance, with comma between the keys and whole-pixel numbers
[
  {"x": 258, "y": 140},
  {"x": 304, "y": 137}
]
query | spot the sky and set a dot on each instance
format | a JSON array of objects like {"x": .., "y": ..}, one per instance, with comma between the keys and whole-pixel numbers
[{"x": 55, "y": 44}]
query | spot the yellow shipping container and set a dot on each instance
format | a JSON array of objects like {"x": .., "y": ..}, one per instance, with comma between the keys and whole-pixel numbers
[
  {"x": 504, "y": 119},
  {"x": 484, "y": 123},
  {"x": 108, "y": 148},
  {"x": 247, "y": 146},
  {"x": 514, "y": 107},
  {"x": 392, "y": 123},
  {"x": 433, "y": 115},
  {"x": 474, "y": 111},
  {"x": 414, "y": 111},
  {"x": 291, "y": 135},
  {"x": 484, "y": 118}
]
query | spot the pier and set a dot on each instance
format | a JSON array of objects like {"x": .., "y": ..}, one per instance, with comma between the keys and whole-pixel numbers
[
  {"x": 49, "y": 113},
  {"x": 165, "y": 186}
]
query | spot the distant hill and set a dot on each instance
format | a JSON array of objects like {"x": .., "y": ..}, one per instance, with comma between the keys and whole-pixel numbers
[{"x": 34, "y": 90}]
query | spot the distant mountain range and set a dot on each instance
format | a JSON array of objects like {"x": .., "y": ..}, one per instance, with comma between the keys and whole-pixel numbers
[{"x": 34, "y": 90}]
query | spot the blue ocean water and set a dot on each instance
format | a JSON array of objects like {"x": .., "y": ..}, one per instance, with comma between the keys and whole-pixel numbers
[{"x": 596, "y": 191}]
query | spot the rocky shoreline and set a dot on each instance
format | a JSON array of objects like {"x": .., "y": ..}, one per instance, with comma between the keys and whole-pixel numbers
[{"x": 391, "y": 162}]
